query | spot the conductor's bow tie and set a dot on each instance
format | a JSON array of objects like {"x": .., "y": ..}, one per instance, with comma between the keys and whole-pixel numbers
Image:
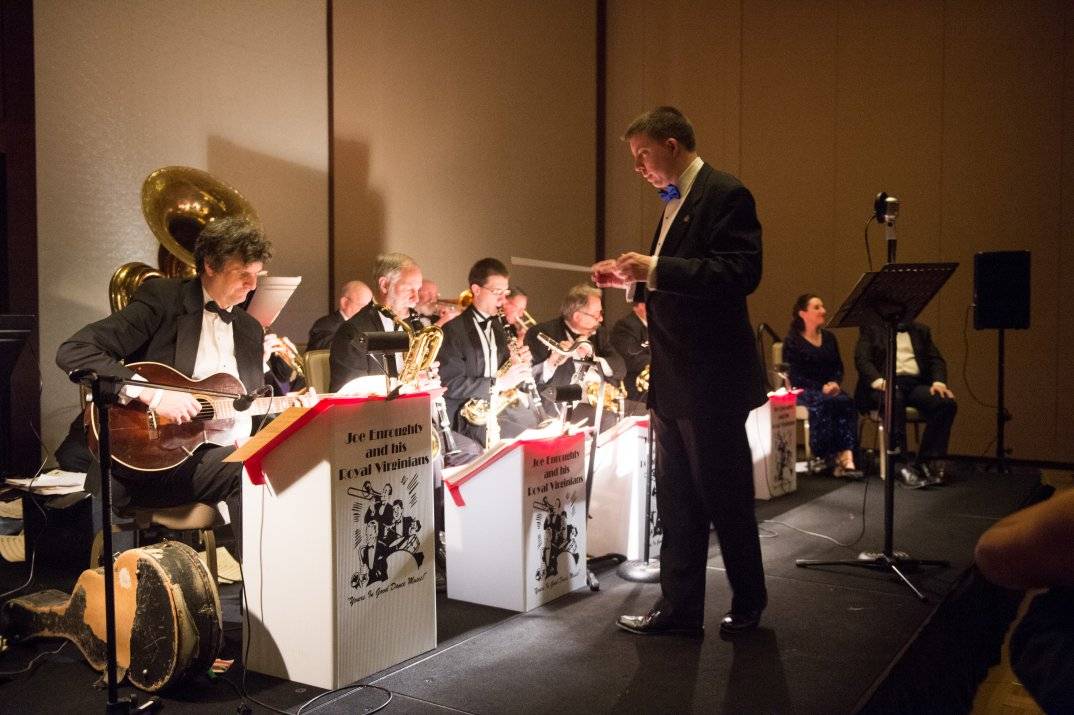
[
  {"x": 669, "y": 193},
  {"x": 225, "y": 315}
]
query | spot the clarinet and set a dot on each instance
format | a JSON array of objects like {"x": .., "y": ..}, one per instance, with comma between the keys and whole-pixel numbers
[{"x": 529, "y": 383}]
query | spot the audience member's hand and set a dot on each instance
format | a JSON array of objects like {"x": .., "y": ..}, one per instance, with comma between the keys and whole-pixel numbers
[
  {"x": 938, "y": 388},
  {"x": 179, "y": 407}
]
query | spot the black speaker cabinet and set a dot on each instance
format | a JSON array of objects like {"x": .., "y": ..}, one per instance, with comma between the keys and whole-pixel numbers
[{"x": 1001, "y": 290}]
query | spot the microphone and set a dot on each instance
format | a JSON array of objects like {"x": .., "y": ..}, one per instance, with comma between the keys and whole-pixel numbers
[
  {"x": 885, "y": 208},
  {"x": 82, "y": 374},
  {"x": 243, "y": 402}
]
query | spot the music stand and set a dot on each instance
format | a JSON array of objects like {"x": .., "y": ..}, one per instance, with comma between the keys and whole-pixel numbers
[{"x": 895, "y": 294}]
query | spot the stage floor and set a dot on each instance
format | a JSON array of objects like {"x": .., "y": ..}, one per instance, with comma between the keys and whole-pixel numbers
[{"x": 829, "y": 639}]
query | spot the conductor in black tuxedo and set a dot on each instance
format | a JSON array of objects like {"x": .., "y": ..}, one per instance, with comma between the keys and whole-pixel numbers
[
  {"x": 920, "y": 382},
  {"x": 705, "y": 260},
  {"x": 475, "y": 358},
  {"x": 353, "y": 296},
  {"x": 198, "y": 328}
]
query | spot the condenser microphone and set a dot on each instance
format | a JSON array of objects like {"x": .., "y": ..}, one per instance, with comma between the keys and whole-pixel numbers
[
  {"x": 885, "y": 208},
  {"x": 84, "y": 374}
]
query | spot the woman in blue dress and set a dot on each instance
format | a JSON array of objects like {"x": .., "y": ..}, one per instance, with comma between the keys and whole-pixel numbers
[{"x": 814, "y": 365}]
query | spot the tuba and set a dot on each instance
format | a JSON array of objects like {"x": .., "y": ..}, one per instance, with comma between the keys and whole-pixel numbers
[{"x": 177, "y": 202}]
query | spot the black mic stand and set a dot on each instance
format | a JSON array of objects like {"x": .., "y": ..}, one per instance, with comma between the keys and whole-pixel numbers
[
  {"x": 105, "y": 390},
  {"x": 647, "y": 570},
  {"x": 895, "y": 294}
]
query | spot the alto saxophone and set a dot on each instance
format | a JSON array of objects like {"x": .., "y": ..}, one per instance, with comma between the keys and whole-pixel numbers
[
  {"x": 529, "y": 384},
  {"x": 424, "y": 346}
]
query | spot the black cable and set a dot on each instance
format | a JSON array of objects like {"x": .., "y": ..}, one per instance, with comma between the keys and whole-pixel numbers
[
  {"x": 966, "y": 360},
  {"x": 868, "y": 252},
  {"x": 861, "y": 533},
  {"x": 33, "y": 553},
  {"x": 39, "y": 656}
]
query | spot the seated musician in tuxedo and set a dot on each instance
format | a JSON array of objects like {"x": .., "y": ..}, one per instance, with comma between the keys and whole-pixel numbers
[
  {"x": 630, "y": 338},
  {"x": 920, "y": 382},
  {"x": 197, "y": 328},
  {"x": 396, "y": 280},
  {"x": 353, "y": 296},
  {"x": 476, "y": 359},
  {"x": 514, "y": 309},
  {"x": 430, "y": 310},
  {"x": 580, "y": 318}
]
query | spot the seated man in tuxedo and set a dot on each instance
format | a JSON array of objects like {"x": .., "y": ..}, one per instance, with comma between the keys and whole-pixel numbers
[
  {"x": 476, "y": 359},
  {"x": 353, "y": 296},
  {"x": 197, "y": 327},
  {"x": 429, "y": 310},
  {"x": 580, "y": 318},
  {"x": 630, "y": 338},
  {"x": 920, "y": 382},
  {"x": 514, "y": 309}
]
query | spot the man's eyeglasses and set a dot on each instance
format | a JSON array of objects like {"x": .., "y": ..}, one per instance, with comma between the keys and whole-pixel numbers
[
  {"x": 497, "y": 291},
  {"x": 598, "y": 316}
]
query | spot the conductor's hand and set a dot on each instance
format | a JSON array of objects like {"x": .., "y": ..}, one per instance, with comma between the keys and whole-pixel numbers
[
  {"x": 179, "y": 407},
  {"x": 633, "y": 266},
  {"x": 606, "y": 275},
  {"x": 938, "y": 388}
]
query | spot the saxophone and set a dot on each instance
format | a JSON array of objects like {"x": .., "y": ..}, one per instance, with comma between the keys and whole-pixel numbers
[
  {"x": 424, "y": 345},
  {"x": 529, "y": 384}
]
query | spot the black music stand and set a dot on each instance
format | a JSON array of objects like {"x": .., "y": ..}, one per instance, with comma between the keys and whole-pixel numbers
[{"x": 895, "y": 294}]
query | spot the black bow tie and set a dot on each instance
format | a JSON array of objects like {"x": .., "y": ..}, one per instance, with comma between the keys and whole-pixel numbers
[
  {"x": 483, "y": 322},
  {"x": 225, "y": 315}
]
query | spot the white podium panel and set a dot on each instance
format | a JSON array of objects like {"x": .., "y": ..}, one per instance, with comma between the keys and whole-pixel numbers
[
  {"x": 770, "y": 429},
  {"x": 338, "y": 542},
  {"x": 515, "y": 524},
  {"x": 617, "y": 507}
]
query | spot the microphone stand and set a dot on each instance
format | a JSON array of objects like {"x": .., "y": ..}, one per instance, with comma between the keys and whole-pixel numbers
[
  {"x": 647, "y": 570},
  {"x": 105, "y": 390}
]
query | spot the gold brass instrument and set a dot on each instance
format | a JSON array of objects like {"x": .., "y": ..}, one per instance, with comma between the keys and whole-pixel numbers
[
  {"x": 529, "y": 384},
  {"x": 613, "y": 396},
  {"x": 177, "y": 202},
  {"x": 642, "y": 380},
  {"x": 424, "y": 346}
]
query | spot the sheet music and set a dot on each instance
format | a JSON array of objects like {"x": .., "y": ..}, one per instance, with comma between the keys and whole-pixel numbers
[{"x": 271, "y": 296}]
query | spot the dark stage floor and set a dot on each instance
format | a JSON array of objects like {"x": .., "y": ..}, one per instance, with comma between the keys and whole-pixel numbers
[{"x": 830, "y": 639}]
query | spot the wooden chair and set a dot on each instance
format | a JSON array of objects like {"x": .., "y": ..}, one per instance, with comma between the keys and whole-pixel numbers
[
  {"x": 195, "y": 516},
  {"x": 318, "y": 372}
]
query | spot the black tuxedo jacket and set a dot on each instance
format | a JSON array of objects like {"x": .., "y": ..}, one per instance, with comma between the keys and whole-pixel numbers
[
  {"x": 871, "y": 352},
  {"x": 323, "y": 330},
  {"x": 628, "y": 334},
  {"x": 162, "y": 323},
  {"x": 462, "y": 361},
  {"x": 347, "y": 359},
  {"x": 709, "y": 263},
  {"x": 557, "y": 329}
]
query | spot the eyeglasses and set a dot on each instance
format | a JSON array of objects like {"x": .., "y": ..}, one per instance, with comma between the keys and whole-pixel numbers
[
  {"x": 598, "y": 316},
  {"x": 496, "y": 291}
]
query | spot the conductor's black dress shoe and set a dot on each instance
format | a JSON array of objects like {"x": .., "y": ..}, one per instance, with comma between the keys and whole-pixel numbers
[
  {"x": 734, "y": 624},
  {"x": 660, "y": 623}
]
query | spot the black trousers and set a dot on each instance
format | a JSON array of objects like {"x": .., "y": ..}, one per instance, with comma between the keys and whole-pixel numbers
[
  {"x": 704, "y": 475},
  {"x": 939, "y": 413},
  {"x": 204, "y": 477}
]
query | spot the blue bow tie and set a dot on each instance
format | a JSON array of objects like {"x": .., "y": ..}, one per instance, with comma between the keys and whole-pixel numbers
[{"x": 669, "y": 193}]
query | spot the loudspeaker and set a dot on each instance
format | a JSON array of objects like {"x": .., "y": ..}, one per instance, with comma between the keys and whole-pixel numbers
[{"x": 1001, "y": 290}]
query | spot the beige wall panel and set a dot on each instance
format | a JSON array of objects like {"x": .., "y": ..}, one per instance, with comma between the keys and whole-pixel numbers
[
  {"x": 788, "y": 138},
  {"x": 236, "y": 88},
  {"x": 1064, "y": 334},
  {"x": 465, "y": 129},
  {"x": 1002, "y": 160},
  {"x": 698, "y": 73}
]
